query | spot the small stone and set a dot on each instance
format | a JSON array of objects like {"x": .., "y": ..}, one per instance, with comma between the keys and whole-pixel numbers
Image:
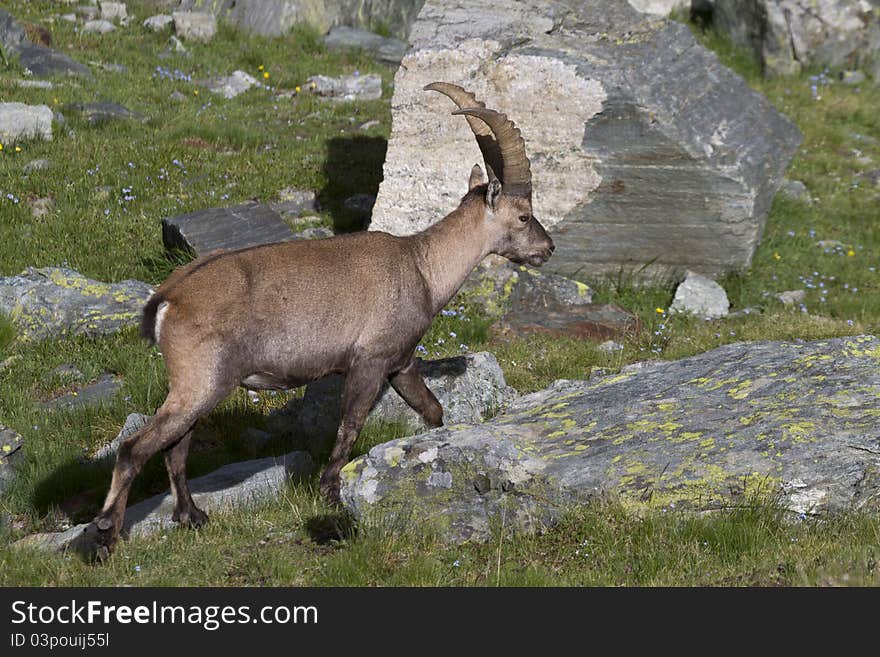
[
  {"x": 796, "y": 189},
  {"x": 792, "y": 297},
  {"x": 360, "y": 203},
  {"x": 293, "y": 202},
  {"x": 194, "y": 25},
  {"x": 314, "y": 233},
  {"x": 98, "y": 26},
  {"x": 482, "y": 484},
  {"x": 34, "y": 84},
  {"x": 610, "y": 347},
  {"x": 40, "y": 164},
  {"x": 701, "y": 296},
  {"x": 232, "y": 85},
  {"x": 69, "y": 18},
  {"x": 159, "y": 22},
  {"x": 97, "y": 113},
  {"x": 40, "y": 207},
  {"x": 369, "y": 125},
  {"x": 113, "y": 67},
  {"x": 176, "y": 45},
  {"x": 829, "y": 244},
  {"x": 852, "y": 77},
  {"x": 102, "y": 390},
  {"x": 347, "y": 88},
  {"x": 178, "y": 96}
]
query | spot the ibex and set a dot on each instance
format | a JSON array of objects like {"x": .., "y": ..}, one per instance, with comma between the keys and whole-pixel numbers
[{"x": 277, "y": 316}]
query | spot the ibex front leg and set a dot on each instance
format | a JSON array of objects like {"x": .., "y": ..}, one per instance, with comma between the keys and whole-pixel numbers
[{"x": 362, "y": 385}]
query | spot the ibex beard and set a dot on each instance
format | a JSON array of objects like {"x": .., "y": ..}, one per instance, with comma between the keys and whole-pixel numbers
[{"x": 280, "y": 315}]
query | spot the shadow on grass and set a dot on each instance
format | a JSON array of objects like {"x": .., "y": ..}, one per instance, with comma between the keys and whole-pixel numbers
[
  {"x": 353, "y": 166},
  {"x": 330, "y": 527}
]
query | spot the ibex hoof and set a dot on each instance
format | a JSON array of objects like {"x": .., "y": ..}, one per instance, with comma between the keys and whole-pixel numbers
[{"x": 193, "y": 517}]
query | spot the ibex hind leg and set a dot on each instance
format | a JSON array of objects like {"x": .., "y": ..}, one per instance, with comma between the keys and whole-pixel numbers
[
  {"x": 185, "y": 510},
  {"x": 169, "y": 426},
  {"x": 362, "y": 386}
]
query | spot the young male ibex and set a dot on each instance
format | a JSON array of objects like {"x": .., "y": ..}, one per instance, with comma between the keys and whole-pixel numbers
[{"x": 280, "y": 315}]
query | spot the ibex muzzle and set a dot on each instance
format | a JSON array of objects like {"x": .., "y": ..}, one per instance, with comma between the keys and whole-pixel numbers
[{"x": 280, "y": 315}]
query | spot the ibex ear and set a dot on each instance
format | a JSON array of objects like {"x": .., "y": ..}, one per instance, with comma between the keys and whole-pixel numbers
[
  {"x": 476, "y": 178},
  {"x": 493, "y": 191}
]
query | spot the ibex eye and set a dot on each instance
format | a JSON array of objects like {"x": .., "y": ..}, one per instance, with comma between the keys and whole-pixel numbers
[{"x": 524, "y": 218}]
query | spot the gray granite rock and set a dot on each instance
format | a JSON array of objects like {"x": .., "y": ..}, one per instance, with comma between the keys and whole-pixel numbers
[
  {"x": 54, "y": 301},
  {"x": 20, "y": 121},
  {"x": 11, "y": 455},
  {"x": 102, "y": 390},
  {"x": 385, "y": 49},
  {"x": 647, "y": 154},
  {"x": 470, "y": 388},
  {"x": 700, "y": 296},
  {"x": 791, "y": 422},
  {"x": 787, "y": 35},
  {"x": 194, "y": 25},
  {"x": 347, "y": 87},
  {"x": 114, "y": 11},
  {"x": 796, "y": 189},
  {"x": 234, "y": 486},
  {"x": 236, "y": 227},
  {"x": 277, "y": 17}
]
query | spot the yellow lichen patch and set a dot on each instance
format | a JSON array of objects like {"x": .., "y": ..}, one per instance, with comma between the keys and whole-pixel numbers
[
  {"x": 741, "y": 390},
  {"x": 799, "y": 432},
  {"x": 351, "y": 469},
  {"x": 608, "y": 380},
  {"x": 85, "y": 286},
  {"x": 582, "y": 289},
  {"x": 393, "y": 456}
]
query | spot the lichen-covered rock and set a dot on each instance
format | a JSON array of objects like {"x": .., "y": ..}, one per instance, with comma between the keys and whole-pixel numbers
[
  {"x": 54, "y": 301},
  {"x": 647, "y": 154},
  {"x": 11, "y": 454},
  {"x": 795, "y": 421},
  {"x": 98, "y": 392},
  {"x": 234, "y": 486},
  {"x": 470, "y": 388}
]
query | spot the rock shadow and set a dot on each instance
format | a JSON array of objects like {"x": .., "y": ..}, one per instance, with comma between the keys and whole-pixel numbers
[{"x": 353, "y": 166}]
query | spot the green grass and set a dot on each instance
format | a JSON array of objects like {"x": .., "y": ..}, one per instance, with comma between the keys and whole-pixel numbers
[{"x": 203, "y": 151}]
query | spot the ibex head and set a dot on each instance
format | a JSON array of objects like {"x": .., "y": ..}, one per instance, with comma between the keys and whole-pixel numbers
[{"x": 507, "y": 197}]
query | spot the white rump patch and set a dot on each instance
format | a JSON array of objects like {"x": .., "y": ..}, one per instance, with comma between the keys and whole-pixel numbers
[{"x": 160, "y": 315}]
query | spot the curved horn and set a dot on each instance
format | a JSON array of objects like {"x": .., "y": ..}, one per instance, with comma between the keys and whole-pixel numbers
[
  {"x": 517, "y": 173},
  {"x": 485, "y": 138}
]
